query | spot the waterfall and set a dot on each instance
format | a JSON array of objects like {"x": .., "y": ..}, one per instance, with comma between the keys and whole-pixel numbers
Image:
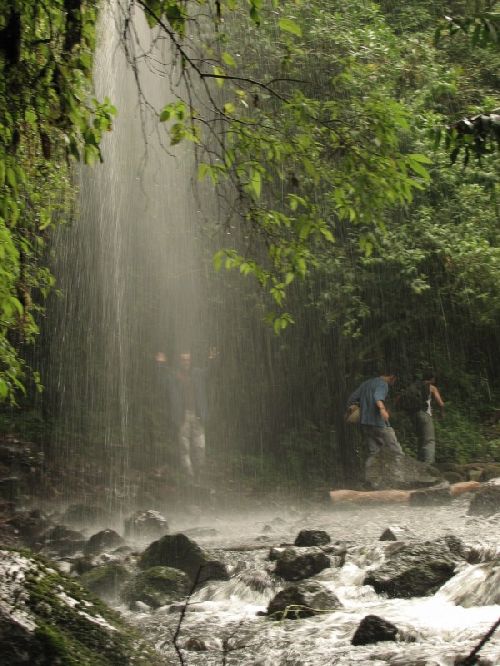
[{"x": 131, "y": 273}]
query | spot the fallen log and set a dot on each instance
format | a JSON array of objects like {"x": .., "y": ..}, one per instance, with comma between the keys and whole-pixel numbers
[
  {"x": 369, "y": 496},
  {"x": 392, "y": 496}
]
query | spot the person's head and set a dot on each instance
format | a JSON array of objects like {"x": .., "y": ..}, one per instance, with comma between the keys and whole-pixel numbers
[
  {"x": 185, "y": 360},
  {"x": 390, "y": 377},
  {"x": 428, "y": 375}
]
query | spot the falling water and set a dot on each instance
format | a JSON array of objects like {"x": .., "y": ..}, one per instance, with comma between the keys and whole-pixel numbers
[{"x": 130, "y": 270}]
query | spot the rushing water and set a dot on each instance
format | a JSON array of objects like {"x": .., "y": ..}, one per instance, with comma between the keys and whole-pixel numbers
[{"x": 443, "y": 626}]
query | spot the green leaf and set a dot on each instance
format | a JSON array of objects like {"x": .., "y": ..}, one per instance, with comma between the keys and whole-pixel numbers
[
  {"x": 228, "y": 59},
  {"x": 287, "y": 25},
  {"x": 255, "y": 183}
]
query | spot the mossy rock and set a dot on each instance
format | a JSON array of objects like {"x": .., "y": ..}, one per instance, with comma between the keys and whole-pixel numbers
[
  {"x": 180, "y": 552},
  {"x": 48, "y": 619},
  {"x": 106, "y": 580},
  {"x": 157, "y": 586}
]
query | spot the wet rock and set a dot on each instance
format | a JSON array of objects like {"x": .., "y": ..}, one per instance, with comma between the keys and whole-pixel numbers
[
  {"x": 29, "y": 527},
  {"x": 312, "y": 538},
  {"x": 195, "y": 644},
  {"x": 256, "y": 580},
  {"x": 180, "y": 552},
  {"x": 106, "y": 580},
  {"x": 302, "y": 599},
  {"x": 275, "y": 552},
  {"x": 395, "y": 533},
  {"x": 374, "y": 629},
  {"x": 294, "y": 565},
  {"x": 435, "y": 495},
  {"x": 157, "y": 586},
  {"x": 83, "y": 515},
  {"x": 103, "y": 540},
  {"x": 413, "y": 570},
  {"x": 453, "y": 477},
  {"x": 455, "y": 545},
  {"x": 387, "y": 470},
  {"x": 139, "y": 607},
  {"x": 266, "y": 529},
  {"x": 46, "y": 618},
  {"x": 82, "y": 564},
  {"x": 62, "y": 541},
  {"x": 146, "y": 525},
  {"x": 486, "y": 501}
]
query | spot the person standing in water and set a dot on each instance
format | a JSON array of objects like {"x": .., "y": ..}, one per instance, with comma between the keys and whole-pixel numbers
[{"x": 187, "y": 394}]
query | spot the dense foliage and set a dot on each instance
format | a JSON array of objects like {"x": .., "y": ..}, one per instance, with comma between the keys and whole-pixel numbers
[
  {"x": 46, "y": 116},
  {"x": 330, "y": 130}
]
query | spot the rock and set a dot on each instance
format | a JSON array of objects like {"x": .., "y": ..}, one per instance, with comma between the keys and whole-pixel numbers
[
  {"x": 180, "y": 552},
  {"x": 29, "y": 526},
  {"x": 83, "y": 515},
  {"x": 106, "y": 580},
  {"x": 10, "y": 488},
  {"x": 101, "y": 541},
  {"x": 302, "y": 599},
  {"x": 157, "y": 586},
  {"x": 387, "y": 471},
  {"x": 312, "y": 538},
  {"x": 194, "y": 644},
  {"x": 374, "y": 629},
  {"x": 293, "y": 565},
  {"x": 453, "y": 477},
  {"x": 139, "y": 607},
  {"x": 46, "y": 618},
  {"x": 395, "y": 533},
  {"x": 435, "y": 495},
  {"x": 413, "y": 570},
  {"x": 146, "y": 525},
  {"x": 486, "y": 501},
  {"x": 62, "y": 541},
  {"x": 275, "y": 552},
  {"x": 256, "y": 580}
]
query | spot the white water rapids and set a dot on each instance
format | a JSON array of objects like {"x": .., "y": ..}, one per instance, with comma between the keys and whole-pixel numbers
[{"x": 445, "y": 625}]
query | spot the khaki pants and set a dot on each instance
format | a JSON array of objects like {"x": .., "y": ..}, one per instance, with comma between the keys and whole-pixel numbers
[
  {"x": 377, "y": 438},
  {"x": 192, "y": 445}
]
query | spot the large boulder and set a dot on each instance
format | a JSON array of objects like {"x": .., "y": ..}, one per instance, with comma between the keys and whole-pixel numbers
[
  {"x": 413, "y": 570},
  {"x": 101, "y": 541},
  {"x": 374, "y": 629},
  {"x": 387, "y": 470},
  {"x": 62, "y": 541},
  {"x": 106, "y": 580},
  {"x": 180, "y": 552},
  {"x": 302, "y": 599},
  {"x": 295, "y": 564},
  {"x": 312, "y": 538},
  {"x": 486, "y": 500},
  {"x": 46, "y": 618},
  {"x": 146, "y": 525},
  {"x": 156, "y": 587}
]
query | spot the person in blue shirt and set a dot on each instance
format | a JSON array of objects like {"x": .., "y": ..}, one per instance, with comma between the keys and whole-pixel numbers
[{"x": 374, "y": 416}]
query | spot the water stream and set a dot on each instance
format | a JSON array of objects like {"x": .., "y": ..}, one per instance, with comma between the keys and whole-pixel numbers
[{"x": 439, "y": 627}]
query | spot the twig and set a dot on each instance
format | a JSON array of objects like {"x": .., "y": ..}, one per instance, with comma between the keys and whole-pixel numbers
[
  {"x": 472, "y": 658},
  {"x": 182, "y": 615}
]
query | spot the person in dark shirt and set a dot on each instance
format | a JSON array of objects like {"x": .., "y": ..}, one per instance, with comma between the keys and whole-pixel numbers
[{"x": 187, "y": 396}]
